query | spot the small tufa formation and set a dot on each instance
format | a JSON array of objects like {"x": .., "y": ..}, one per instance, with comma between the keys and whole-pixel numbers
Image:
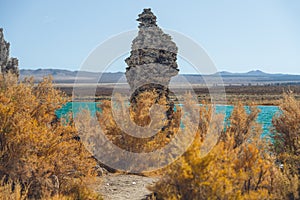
[
  {"x": 152, "y": 62},
  {"x": 7, "y": 64}
]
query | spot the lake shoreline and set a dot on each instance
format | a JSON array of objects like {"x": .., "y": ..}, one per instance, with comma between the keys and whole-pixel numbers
[{"x": 248, "y": 95}]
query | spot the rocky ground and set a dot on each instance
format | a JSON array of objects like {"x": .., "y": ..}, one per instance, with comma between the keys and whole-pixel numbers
[{"x": 122, "y": 187}]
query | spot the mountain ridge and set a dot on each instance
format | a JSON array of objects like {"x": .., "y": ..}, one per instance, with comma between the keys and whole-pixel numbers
[
  {"x": 52, "y": 71},
  {"x": 68, "y": 76}
]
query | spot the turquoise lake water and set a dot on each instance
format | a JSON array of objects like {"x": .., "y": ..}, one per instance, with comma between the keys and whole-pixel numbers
[{"x": 264, "y": 118}]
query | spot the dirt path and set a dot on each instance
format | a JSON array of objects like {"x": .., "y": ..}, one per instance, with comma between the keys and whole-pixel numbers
[{"x": 122, "y": 187}]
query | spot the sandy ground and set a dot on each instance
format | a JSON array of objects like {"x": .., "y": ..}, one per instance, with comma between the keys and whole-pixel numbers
[{"x": 122, "y": 187}]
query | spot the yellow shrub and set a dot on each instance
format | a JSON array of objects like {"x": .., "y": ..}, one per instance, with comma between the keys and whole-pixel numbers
[
  {"x": 36, "y": 149},
  {"x": 238, "y": 167},
  {"x": 286, "y": 142}
]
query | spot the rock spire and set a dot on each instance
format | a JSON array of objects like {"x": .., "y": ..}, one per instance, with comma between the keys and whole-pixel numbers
[
  {"x": 7, "y": 64},
  {"x": 153, "y": 55},
  {"x": 152, "y": 62}
]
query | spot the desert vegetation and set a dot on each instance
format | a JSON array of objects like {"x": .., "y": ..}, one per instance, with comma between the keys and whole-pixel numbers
[
  {"x": 140, "y": 115},
  {"x": 242, "y": 165},
  {"x": 40, "y": 157}
]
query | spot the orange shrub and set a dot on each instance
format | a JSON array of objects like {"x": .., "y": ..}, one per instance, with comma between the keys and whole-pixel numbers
[
  {"x": 36, "y": 150},
  {"x": 286, "y": 142},
  {"x": 238, "y": 167},
  {"x": 140, "y": 116}
]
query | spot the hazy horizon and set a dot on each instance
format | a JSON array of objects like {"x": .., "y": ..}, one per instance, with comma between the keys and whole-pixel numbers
[{"x": 224, "y": 71}]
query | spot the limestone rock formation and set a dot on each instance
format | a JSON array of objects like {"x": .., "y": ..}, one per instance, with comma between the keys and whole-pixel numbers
[
  {"x": 153, "y": 55},
  {"x": 152, "y": 62},
  {"x": 7, "y": 64}
]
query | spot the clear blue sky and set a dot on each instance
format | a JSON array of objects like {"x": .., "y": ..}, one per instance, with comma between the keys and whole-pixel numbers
[{"x": 238, "y": 35}]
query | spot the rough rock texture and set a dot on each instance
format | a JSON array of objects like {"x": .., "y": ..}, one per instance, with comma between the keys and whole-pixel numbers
[
  {"x": 152, "y": 62},
  {"x": 153, "y": 55},
  {"x": 7, "y": 64}
]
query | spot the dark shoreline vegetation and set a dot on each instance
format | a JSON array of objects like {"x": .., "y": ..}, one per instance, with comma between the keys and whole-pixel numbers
[
  {"x": 42, "y": 158},
  {"x": 257, "y": 95}
]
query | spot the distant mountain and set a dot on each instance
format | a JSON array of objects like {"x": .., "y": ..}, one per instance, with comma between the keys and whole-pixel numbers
[
  {"x": 224, "y": 73},
  {"x": 251, "y": 77},
  {"x": 250, "y": 73},
  {"x": 256, "y": 73}
]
